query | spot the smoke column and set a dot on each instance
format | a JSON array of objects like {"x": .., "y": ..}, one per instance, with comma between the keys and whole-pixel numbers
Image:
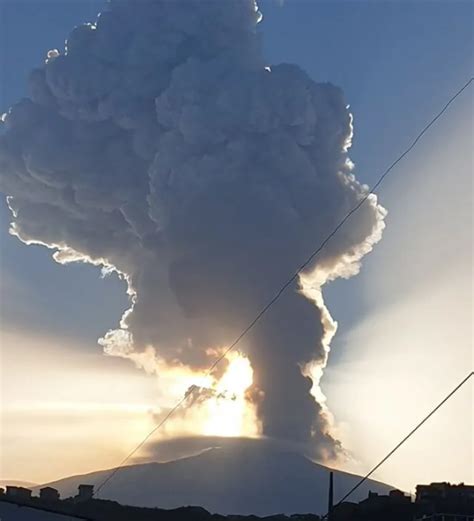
[{"x": 160, "y": 144}]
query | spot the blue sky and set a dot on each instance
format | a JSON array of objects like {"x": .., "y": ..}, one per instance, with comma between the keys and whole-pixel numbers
[{"x": 397, "y": 62}]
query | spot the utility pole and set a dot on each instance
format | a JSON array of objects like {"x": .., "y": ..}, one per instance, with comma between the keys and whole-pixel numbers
[{"x": 331, "y": 496}]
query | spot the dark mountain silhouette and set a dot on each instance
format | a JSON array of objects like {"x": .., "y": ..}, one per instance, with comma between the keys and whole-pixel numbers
[{"x": 238, "y": 479}]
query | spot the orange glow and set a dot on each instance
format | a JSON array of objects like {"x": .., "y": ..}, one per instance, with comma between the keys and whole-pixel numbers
[
  {"x": 222, "y": 408},
  {"x": 229, "y": 413}
]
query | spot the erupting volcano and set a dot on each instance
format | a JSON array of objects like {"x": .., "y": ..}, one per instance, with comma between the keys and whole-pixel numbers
[{"x": 160, "y": 145}]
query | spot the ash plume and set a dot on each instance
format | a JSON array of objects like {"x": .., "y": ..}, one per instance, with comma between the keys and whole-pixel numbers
[{"x": 161, "y": 145}]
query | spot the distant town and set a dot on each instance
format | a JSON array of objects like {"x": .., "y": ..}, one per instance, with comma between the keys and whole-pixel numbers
[{"x": 434, "y": 502}]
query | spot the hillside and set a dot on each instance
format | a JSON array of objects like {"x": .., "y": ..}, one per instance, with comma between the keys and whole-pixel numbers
[{"x": 232, "y": 480}]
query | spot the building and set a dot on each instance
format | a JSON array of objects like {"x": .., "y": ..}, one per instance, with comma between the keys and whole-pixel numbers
[
  {"x": 375, "y": 501},
  {"x": 345, "y": 511},
  {"x": 441, "y": 491},
  {"x": 86, "y": 493},
  {"x": 445, "y": 498},
  {"x": 18, "y": 493},
  {"x": 396, "y": 506},
  {"x": 49, "y": 494},
  {"x": 397, "y": 496}
]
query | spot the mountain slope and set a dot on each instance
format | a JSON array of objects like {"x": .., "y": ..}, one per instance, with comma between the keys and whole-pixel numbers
[{"x": 237, "y": 480}]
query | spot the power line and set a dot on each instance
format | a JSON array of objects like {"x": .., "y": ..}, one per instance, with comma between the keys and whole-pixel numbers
[
  {"x": 383, "y": 460},
  {"x": 295, "y": 275},
  {"x": 447, "y": 397},
  {"x": 140, "y": 445}
]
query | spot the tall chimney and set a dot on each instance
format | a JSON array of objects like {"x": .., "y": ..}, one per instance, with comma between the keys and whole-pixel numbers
[{"x": 331, "y": 495}]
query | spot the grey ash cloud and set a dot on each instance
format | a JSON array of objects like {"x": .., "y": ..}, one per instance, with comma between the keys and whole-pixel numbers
[{"x": 160, "y": 143}]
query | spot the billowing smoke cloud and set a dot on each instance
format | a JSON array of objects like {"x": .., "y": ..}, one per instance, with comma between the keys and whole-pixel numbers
[{"x": 160, "y": 145}]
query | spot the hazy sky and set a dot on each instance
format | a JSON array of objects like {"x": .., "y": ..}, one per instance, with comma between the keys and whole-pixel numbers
[{"x": 405, "y": 329}]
